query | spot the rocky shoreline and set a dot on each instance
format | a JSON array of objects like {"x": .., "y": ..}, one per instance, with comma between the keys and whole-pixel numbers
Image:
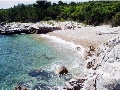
[
  {"x": 102, "y": 57},
  {"x": 27, "y": 28},
  {"x": 102, "y": 68},
  {"x": 101, "y": 71}
]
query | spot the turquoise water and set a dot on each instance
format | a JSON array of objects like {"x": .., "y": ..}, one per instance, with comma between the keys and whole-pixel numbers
[{"x": 21, "y": 55}]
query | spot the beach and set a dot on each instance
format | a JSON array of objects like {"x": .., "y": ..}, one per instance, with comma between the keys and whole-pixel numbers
[{"x": 86, "y": 36}]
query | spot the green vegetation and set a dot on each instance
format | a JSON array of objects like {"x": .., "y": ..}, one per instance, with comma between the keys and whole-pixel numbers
[{"x": 92, "y": 12}]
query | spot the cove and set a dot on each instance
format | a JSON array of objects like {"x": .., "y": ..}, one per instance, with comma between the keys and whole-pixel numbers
[{"x": 21, "y": 54}]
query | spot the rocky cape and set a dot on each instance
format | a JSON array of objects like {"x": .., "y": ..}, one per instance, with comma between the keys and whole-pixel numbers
[{"x": 28, "y": 28}]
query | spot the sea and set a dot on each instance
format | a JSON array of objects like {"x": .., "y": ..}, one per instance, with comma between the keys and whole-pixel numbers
[{"x": 31, "y": 60}]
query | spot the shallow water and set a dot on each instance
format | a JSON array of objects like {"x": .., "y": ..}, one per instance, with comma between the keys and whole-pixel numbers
[{"x": 22, "y": 54}]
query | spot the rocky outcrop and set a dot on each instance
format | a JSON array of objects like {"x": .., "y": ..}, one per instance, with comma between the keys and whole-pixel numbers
[
  {"x": 102, "y": 69},
  {"x": 27, "y": 28},
  {"x": 106, "y": 67}
]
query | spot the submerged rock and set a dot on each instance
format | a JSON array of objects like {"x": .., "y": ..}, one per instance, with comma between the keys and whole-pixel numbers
[
  {"x": 41, "y": 74},
  {"x": 35, "y": 73}
]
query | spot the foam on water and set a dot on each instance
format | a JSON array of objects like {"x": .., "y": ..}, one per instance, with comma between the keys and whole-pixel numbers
[
  {"x": 67, "y": 44},
  {"x": 72, "y": 57},
  {"x": 22, "y": 53}
]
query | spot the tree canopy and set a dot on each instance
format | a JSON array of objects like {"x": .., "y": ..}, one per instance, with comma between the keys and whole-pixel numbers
[{"x": 92, "y": 12}]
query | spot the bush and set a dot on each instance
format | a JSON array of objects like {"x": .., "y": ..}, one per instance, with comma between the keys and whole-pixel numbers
[
  {"x": 58, "y": 18},
  {"x": 47, "y": 18},
  {"x": 116, "y": 19}
]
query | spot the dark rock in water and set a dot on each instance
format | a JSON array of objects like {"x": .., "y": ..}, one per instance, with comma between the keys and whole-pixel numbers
[
  {"x": 41, "y": 73},
  {"x": 62, "y": 70},
  {"x": 34, "y": 73}
]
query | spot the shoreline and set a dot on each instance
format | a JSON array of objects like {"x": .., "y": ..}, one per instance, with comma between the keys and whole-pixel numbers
[
  {"x": 85, "y": 36},
  {"x": 92, "y": 73},
  {"x": 72, "y": 45}
]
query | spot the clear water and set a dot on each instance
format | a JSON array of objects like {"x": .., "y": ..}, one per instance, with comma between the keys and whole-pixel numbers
[{"x": 22, "y": 54}]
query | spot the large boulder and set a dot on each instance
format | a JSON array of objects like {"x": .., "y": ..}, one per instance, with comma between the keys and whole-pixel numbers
[{"x": 61, "y": 70}]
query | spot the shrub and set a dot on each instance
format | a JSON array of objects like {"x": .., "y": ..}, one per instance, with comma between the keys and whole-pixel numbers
[
  {"x": 116, "y": 19},
  {"x": 47, "y": 18}
]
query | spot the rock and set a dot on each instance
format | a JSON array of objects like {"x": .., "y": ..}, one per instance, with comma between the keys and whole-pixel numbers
[
  {"x": 62, "y": 70},
  {"x": 104, "y": 67},
  {"x": 73, "y": 81},
  {"x": 90, "y": 52},
  {"x": 111, "y": 60},
  {"x": 89, "y": 65},
  {"x": 20, "y": 88},
  {"x": 25, "y": 89},
  {"x": 35, "y": 73},
  {"x": 41, "y": 74},
  {"x": 77, "y": 87},
  {"x": 92, "y": 64},
  {"x": 99, "y": 33},
  {"x": 81, "y": 80},
  {"x": 91, "y": 48},
  {"x": 78, "y": 48},
  {"x": 74, "y": 84}
]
